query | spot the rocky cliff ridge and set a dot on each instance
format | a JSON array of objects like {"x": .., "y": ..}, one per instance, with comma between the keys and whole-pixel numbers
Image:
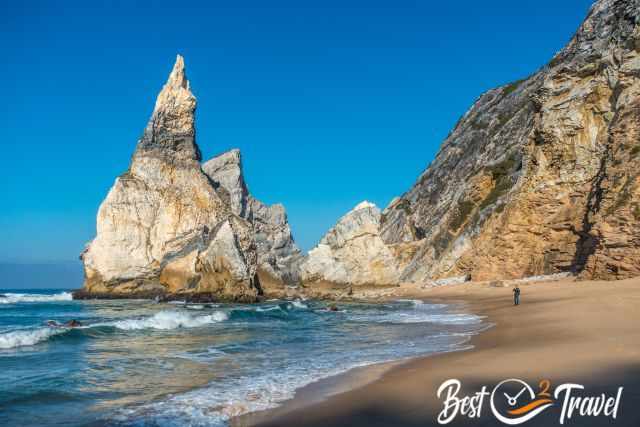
[{"x": 540, "y": 176}]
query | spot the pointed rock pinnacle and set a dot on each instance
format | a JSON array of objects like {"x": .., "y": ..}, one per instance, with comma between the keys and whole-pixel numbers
[{"x": 171, "y": 129}]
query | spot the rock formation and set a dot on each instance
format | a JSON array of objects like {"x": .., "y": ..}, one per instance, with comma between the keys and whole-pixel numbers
[
  {"x": 540, "y": 176},
  {"x": 163, "y": 228},
  {"x": 278, "y": 255},
  {"x": 353, "y": 252}
]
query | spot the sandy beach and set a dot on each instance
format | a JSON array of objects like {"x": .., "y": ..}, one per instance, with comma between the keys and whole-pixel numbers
[{"x": 564, "y": 331}]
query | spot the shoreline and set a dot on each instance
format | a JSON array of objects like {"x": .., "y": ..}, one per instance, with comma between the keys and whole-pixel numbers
[
  {"x": 354, "y": 378},
  {"x": 565, "y": 331},
  {"x": 358, "y": 377}
]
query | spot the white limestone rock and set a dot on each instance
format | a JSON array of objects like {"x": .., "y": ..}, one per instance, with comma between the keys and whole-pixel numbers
[
  {"x": 278, "y": 255},
  {"x": 352, "y": 252},
  {"x": 163, "y": 228}
]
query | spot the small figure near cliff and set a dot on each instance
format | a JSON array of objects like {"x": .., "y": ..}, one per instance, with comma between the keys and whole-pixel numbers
[{"x": 516, "y": 295}]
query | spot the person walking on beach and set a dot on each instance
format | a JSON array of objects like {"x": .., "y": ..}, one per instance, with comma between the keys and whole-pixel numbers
[{"x": 516, "y": 295}]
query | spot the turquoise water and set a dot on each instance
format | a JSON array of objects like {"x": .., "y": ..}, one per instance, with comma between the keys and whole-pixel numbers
[{"x": 139, "y": 363}]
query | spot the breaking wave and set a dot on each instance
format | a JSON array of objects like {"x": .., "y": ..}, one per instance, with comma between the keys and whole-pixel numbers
[
  {"x": 12, "y": 298},
  {"x": 165, "y": 320},
  {"x": 27, "y": 337},
  {"x": 299, "y": 304}
]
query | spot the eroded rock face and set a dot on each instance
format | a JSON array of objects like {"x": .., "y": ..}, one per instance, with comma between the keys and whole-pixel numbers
[
  {"x": 542, "y": 175},
  {"x": 353, "y": 252},
  {"x": 278, "y": 255},
  {"x": 163, "y": 228}
]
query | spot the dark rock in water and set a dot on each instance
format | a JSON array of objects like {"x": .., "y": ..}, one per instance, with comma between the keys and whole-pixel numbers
[
  {"x": 84, "y": 294},
  {"x": 73, "y": 323},
  {"x": 205, "y": 297},
  {"x": 3, "y": 296}
]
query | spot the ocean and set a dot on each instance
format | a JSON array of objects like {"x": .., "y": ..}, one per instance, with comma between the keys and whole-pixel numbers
[{"x": 140, "y": 363}]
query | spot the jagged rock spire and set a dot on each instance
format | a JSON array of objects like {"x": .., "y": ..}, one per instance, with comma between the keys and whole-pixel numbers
[
  {"x": 226, "y": 171},
  {"x": 170, "y": 132},
  {"x": 278, "y": 255}
]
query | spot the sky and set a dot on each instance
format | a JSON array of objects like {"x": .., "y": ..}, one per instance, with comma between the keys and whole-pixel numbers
[{"x": 330, "y": 102}]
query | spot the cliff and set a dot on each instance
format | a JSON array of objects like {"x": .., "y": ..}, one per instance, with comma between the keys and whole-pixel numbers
[
  {"x": 542, "y": 175},
  {"x": 539, "y": 176}
]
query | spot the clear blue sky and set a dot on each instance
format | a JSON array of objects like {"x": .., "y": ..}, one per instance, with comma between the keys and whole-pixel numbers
[{"x": 331, "y": 102}]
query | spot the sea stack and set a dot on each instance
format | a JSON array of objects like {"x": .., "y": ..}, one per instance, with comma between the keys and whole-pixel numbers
[{"x": 163, "y": 229}]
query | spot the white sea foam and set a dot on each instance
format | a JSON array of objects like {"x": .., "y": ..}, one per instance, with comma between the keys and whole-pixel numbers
[
  {"x": 170, "y": 320},
  {"x": 299, "y": 304},
  {"x": 27, "y": 337},
  {"x": 421, "y": 305},
  {"x": 12, "y": 298},
  {"x": 203, "y": 356},
  {"x": 418, "y": 316},
  {"x": 420, "y": 312},
  {"x": 275, "y": 382},
  {"x": 263, "y": 309},
  {"x": 209, "y": 407},
  {"x": 164, "y": 320}
]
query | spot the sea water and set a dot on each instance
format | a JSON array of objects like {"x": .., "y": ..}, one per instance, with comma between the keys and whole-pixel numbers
[{"x": 136, "y": 362}]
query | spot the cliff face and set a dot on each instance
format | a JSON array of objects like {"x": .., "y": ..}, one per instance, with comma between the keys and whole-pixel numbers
[
  {"x": 540, "y": 176},
  {"x": 278, "y": 255},
  {"x": 163, "y": 228}
]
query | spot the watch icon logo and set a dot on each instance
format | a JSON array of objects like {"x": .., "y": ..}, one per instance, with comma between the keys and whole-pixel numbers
[{"x": 514, "y": 402}]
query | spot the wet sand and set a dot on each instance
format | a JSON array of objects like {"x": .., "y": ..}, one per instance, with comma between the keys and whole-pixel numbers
[{"x": 584, "y": 332}]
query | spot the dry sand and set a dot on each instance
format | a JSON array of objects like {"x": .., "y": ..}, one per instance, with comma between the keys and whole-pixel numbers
[{"x": 584, "y": 332}]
